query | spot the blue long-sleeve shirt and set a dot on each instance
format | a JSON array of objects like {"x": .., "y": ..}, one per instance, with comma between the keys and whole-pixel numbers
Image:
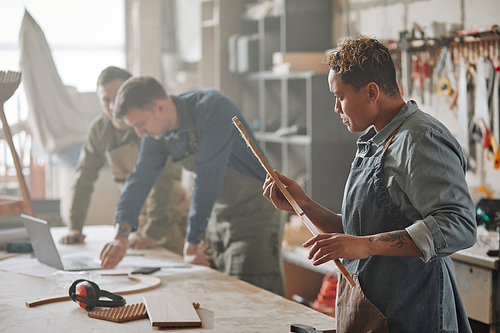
[{"x": 220, "y": 146}]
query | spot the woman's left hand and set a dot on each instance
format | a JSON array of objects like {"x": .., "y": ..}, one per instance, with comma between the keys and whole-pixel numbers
[{"x": 326, "y": 247}]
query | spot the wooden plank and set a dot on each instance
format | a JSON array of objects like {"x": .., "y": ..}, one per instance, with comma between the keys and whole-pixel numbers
[{"x": 171, "y": 311}]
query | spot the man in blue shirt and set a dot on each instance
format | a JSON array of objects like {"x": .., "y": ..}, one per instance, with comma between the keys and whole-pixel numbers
[
  {"x": 196, "y": 130},
  {"x": 406, "y": 204}
]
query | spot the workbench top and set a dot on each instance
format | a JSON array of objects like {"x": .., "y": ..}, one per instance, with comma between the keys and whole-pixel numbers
[
  {"x": 476, "y": 255},
  {"x": 226, "y": 304}
]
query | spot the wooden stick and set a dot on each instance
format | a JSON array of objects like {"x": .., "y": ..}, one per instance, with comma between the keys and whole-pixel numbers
[
  {"x": 305, "y": 219},
  {"x": 143, "y": 283}
]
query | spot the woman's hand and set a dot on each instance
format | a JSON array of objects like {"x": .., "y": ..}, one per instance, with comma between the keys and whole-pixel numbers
[
  {"x": 274, "y": 195},
  {"x": 326, "y": 247}
]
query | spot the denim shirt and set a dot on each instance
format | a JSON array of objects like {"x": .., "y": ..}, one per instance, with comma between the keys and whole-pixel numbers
[
  {"x": 219, "y": 147},
  {"x": 424, "y": 170}
]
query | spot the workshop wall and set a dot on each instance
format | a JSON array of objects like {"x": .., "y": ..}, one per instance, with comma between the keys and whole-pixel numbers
[
  {"x": 385, "y": 19},
  {"x": 437, "y": 18}
]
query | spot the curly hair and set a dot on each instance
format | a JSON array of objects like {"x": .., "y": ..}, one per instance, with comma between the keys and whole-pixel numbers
[{"x": 363, "y": 60}]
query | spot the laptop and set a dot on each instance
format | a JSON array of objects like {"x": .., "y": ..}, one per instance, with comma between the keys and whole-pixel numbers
[{"x": 46, "y": 251}]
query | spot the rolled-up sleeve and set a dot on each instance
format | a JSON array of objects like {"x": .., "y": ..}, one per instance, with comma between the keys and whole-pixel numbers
[{"x": 436, "y": 188}]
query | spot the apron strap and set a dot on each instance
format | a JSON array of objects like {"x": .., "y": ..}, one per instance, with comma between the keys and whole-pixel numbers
[
  {"x": 389, "y": 140},
  {"x": 193, "y": 140}
]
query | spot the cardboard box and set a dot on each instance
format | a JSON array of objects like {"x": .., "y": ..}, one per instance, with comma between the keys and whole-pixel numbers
[
  {"x": 300, "y": 62},
  {"x": 295, "y": 232}
]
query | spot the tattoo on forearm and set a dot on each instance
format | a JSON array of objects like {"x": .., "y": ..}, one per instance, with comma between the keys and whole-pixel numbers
[
  {"x": 399, "y": 237},
  {"x": 124, "y": 229}
]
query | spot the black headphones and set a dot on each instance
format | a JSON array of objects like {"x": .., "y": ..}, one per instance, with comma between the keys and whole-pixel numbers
[{"x": 86, "y": 294}]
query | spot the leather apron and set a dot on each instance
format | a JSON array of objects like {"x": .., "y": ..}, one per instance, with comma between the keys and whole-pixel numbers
[
  {"x": 244, "y": 230},
  {"x": 122, "y": 160},
  {"x": 391, "y": 293}
]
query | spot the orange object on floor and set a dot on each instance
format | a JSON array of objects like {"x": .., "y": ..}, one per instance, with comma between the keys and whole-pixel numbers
[{"x": 325, "y": 302}]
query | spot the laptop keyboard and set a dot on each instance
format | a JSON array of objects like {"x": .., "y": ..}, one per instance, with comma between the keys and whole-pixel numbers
[{"x": 81, "y": 263}]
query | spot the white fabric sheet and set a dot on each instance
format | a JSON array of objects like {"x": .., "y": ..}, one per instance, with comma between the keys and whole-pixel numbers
[{"x": 58, "y": 115}]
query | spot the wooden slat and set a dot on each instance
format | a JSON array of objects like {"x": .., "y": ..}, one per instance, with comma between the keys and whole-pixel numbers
[
  {"x": 144, "y": 283},
  {"x": 312, "y": 228},
  {"x": 171, "y": 311}
]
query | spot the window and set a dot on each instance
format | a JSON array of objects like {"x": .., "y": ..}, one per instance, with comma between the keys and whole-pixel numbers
[{"x": 85, "y": 36}]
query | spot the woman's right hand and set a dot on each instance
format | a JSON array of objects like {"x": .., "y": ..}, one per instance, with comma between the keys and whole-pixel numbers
[{"x": 274, "y": 195}]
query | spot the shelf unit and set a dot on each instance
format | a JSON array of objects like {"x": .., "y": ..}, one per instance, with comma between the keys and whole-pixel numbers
[
  {"x": 219, "y": 20},
  {"x": 292, "y": 114},
  {"x": 317, "y": 150}
]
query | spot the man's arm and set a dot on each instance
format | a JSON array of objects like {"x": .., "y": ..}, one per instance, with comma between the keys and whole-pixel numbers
[
  {"x": 216, "y": 140},
  {"x": 113, "y": 252},
  {"x": 158, "y": 209},
  {"x": 150, "y": 163},
  {"x": 152, "y": 157}
]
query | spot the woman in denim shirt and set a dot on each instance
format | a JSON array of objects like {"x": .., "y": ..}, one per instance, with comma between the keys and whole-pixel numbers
[{"x": 406, "y": 204}]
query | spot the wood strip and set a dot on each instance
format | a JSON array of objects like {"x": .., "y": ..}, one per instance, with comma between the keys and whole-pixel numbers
[
  {"x": 171, "y": 311},
  {"x": 305, "y": 219},
  {"x": 144, "y": 283}
]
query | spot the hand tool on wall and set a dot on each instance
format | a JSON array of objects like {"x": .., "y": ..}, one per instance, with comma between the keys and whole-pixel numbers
[
  {"x": 495, "y": 94},
  {"x": 483, "y": 108},
  {"x": 421, "y": 72},
  {"x": 463, "y": 108},
  {"x": 312, "y": 228},
  {"x": 479, "y": 131},
  {"x": 493, "y": 152},
  {"x": 447, "y": 83}
]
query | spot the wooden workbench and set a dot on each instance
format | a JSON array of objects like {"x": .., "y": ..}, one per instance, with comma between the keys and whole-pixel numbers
[
  {"x": 476, "y": 274},
  {"x": 226, "y": 304}
]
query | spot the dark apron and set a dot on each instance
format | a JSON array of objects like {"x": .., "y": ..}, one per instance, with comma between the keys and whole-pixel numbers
[
  {"x": 396, "y": 294},
  {"x": 244, "y": 230},
  {"x": 121, "y": 161}
]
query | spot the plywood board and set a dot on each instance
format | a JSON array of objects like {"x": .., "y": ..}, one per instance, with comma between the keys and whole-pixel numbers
[{"x": 171, "y": 311}]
